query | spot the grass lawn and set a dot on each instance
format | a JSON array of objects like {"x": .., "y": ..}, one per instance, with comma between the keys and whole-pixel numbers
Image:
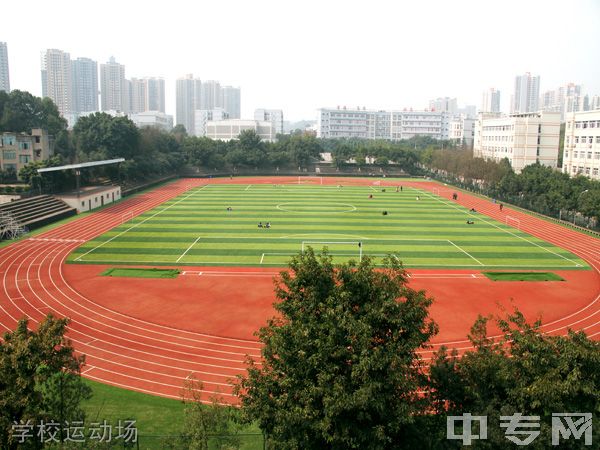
[
  {"x": 523, "y": 276},
  {"x": 140, "y": 273},
  {"x": 156, "y": 418},
  {"x": 429, "y": 232}
]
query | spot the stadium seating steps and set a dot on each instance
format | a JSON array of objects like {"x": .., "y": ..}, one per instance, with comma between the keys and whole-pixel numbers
[{"x": 35, "y": 212}]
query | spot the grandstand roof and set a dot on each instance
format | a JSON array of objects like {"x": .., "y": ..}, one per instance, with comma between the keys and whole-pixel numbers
[{"x": 82, "y": 165}]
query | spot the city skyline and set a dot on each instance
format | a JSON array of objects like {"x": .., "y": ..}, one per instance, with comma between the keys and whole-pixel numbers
[{"x": 393, "y": 58}]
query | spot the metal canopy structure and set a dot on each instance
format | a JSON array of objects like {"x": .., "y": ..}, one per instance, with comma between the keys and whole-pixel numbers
[{"x": 82, "y": 165}]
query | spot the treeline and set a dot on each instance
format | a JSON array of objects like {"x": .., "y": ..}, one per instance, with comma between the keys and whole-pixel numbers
[{"x": 537, "y": 188}]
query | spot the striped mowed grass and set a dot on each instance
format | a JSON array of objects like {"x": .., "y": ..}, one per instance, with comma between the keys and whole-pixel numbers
[{"x": 196, "y": 228}]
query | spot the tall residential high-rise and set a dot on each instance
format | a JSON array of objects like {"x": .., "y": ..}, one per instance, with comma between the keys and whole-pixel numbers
[
  {"x": 564, "y": 99},
  {"x": 114, "y": 88},
  {"x": 210, "y": 95},
  {"x": 147, "y": 94},
  {"x": 56, "y": 72},
  {"x": 4, "y": 74},
  {"x": 84, "y": 85},
  {"x": 231, "y": 101},
  {"x": 526, "y": 94},
  {"x": 187, "y": 94},
  {"x": 490, "y": 100}
]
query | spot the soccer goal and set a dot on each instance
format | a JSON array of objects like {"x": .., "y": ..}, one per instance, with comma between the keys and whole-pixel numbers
[
  {"x": 310, "y": 180},
  {"x": 436, "y": 191},
  {"x": 348, "y": 249},
  {"x": 513, "y": 222},
  {"x": 376, "y": 183},
  {"x": 126, "y": 216}
]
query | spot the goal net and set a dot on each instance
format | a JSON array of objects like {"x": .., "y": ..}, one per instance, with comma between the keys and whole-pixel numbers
[
  {"x": 436, "y": 191},
  {"x": 310, "y": 180},
  {"x": 346, "y": 249},
  {"x": 513, "y": 222}
]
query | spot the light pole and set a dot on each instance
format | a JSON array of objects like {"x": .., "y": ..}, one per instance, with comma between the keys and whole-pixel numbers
[{"x": 578, "y": 197}]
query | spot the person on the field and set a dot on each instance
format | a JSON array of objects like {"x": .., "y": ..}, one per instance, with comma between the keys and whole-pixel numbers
[
  {"x": 260, "y": 225},
  {"x": 268, "y": 225},
  {"x": 470, "y": 222},
  {"x": 501, "y": 206}
]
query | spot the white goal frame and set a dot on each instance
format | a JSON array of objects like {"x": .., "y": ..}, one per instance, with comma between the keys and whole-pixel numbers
[
  {"x": 436, "y": 191},
  {"x": 510, "y": 221},
  {"x": 303, "y": 178},
  {"x": 325, "y": 243}
]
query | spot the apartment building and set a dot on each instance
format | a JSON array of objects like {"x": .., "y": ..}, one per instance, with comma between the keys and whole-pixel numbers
[{"x": 582, "y": 144}]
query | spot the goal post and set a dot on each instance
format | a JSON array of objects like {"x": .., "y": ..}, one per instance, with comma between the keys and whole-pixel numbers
[
  {"x": 512, "y": 222},
  {"x": 337, "y": 248},
  {"x": 436, "y": 191}
]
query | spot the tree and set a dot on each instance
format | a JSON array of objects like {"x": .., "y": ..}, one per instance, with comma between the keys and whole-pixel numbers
[
  {"x": 101, "y": 136},
  {"x": 204, "y": 425},
  {"x": 39, "y": 377},
  {"x": 524, "y": 371},
  {"x": 339, "y": 365},
  {"x": 20, "y": 112}
]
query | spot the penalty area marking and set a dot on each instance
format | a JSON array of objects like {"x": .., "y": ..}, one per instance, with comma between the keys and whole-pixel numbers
[{"x": 188, "y": 249}]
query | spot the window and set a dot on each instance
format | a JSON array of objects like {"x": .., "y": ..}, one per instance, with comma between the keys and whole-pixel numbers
[
  {"x": 595, "y": 171},
  {"x": 10, "y": 155},
  {"x": 24, "y": 145},
  {"x": 597, "y": 139},
  {"x": 589, "y": 155},
  {"x": 577, "y": 139},
  {"x": 83, "y": 204},
  {"x": 587, "y": 170},
  {"x": 596, "y": 155},
  {"x": 575, "y": 154},
  {"x": 24, "y": 159},
  {"x": 590, "y": 140}
]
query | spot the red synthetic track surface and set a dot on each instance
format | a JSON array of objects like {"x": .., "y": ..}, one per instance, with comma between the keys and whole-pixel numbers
[{"x": 149, "y": 335}]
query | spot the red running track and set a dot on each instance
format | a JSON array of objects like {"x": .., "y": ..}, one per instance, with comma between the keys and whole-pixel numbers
[{"x": 126, "y": 349}]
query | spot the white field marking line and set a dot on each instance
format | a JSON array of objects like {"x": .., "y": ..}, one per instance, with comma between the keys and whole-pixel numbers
[
  {"x": 319, "y": 234},
  {"x": 139, "y": 223},
  {"x": 156, "y": 372},
  {"x": 502, "y": 229},
  {"x": 87, "y": 370},
  {"x": 164, "y": 384},
  {"x": 188, "y": 249},
  {"x": 261, "y": 258},
  {"x": 373, "y": 189},
  {"x": 141, "y": 343},
  {"x": 248, "y": 187},
  {"x": 55, "y": 240},
  {"x": 148, "y": 391},
  {"x": 466, "y": 253}
]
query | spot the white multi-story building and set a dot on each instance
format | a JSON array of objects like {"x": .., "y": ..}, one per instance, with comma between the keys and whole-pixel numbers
[
  {"x": 231, "y": 101},
  {"x": 226, "y": 130},
  {"x": 581, "y": 154},
  {"x": 154, "y": 119},
  {"x": 114, "y": 88},
  {"x": 203, "y": 116},
  {"x": 490, "y": 101},
  {"x": 462, "y": 130},
  {"x": 389, "y": 125},
  {"x": 57, "y": 76},
  {"x": 187, "y": 101},
  {"x": 4, "y": 73},
  {"x": 275, "y": 116},
  {"x": 523, "y": 139},
  {"x": 84, "y": 80},
  {"x": 526, "y": 94}
]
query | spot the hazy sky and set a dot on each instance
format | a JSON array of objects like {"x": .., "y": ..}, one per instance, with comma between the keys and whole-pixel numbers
[{"x": 302, "y": 55}]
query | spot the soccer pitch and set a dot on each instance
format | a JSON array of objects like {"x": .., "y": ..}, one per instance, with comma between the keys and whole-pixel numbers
[{"x": 196, "y": 228}]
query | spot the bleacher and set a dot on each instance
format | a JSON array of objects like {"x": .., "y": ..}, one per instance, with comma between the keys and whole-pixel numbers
[{"x": 34, "y": 212}]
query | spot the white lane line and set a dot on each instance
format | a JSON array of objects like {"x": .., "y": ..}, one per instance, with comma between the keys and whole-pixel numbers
[
  {"x": 188, "y": 249},
  {"x": 248, "y": 187},
  {"x": 466, "y": 253},
  {"x": 139, "y": 223}
]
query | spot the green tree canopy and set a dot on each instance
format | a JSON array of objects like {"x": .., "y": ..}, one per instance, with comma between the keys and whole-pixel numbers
[
  {"x": 20, "y": 112},
  {"x": 339, "y": 364},
  {"x": 39, "y": 377},
  {"x": 524, "y": 371}
]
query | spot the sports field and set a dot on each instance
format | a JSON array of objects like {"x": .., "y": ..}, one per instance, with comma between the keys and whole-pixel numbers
[{"x": 421, "y": 229}]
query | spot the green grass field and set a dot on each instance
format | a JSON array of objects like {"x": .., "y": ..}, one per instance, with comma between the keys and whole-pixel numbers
[{"x": 196, "y": 229}]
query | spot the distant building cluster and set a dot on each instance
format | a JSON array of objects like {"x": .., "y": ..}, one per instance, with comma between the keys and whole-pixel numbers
[
  {"x": 4, "y": 75},
  {"x": 442, "y": 121},
  {"x": 198, "y": 102}
]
